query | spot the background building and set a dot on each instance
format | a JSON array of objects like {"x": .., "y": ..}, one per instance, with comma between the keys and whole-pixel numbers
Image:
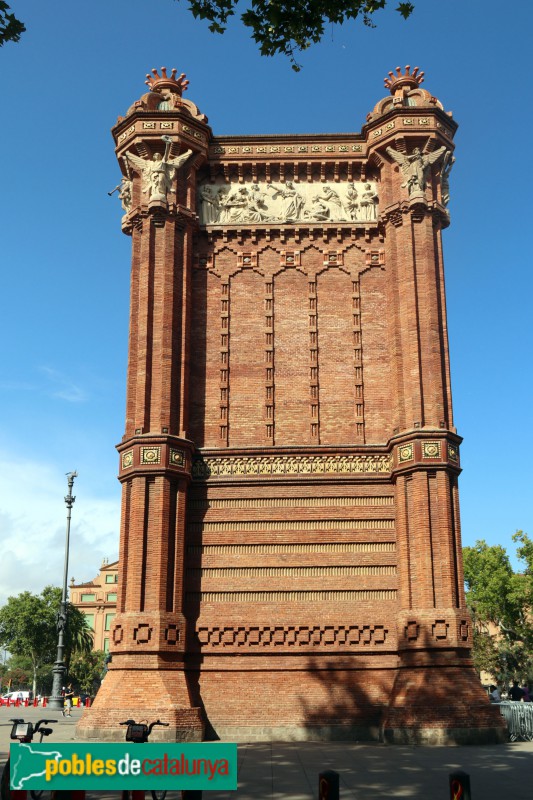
[{"x": 97, "y": 599}]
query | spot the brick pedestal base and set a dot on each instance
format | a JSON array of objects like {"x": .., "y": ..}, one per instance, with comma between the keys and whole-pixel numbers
[
  {"x": 144, "y": 696},
  {"x": 440, "y": 705}
]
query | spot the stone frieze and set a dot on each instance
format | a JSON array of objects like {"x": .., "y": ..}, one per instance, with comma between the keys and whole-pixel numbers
[{"x": 287, "y": 203}]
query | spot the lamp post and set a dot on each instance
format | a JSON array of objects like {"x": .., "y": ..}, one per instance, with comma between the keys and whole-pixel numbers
[{"x": 58, "y": 672}]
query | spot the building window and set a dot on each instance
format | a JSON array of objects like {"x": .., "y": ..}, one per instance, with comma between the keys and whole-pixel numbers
[
  {"x": 106, "y": 645},
  {"x": 87, "y": 598},
  {"x": 108, "y": 620},
  {"x": 90, "y": 620},
  {"x": 111, "y": 578},
  {"x": 111, "y": 597}
]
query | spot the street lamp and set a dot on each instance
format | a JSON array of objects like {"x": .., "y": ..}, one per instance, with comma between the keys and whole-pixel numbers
[{"x": 58, "y": 672}]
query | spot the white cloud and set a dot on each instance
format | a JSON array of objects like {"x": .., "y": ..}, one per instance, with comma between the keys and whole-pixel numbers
[
  {"x": 33, "y": 528},
  {"x": 62, "y": 387}
]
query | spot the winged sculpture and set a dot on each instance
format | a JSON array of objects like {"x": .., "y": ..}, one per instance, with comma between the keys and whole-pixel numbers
[
  {"x": 415, "y": 167},
  {"x": 157, "y": 174}
]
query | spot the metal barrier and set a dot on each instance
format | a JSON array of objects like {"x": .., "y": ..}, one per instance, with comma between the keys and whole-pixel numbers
[{"x": 519, "y": 718}]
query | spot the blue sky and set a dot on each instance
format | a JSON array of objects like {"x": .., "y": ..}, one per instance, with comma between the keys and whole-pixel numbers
[{"x": 65, "y": 262}]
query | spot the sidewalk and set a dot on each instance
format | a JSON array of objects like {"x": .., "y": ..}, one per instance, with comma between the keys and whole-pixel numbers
[{"x": 289, "y": 770}]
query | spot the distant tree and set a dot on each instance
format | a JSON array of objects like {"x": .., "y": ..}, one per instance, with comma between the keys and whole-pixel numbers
[
  {"x": 28, "y": 628},
  {"x": 502, "y": 599},
  {"x": 282, "y": 26},
  {"x": 86, "y": 670},
  {"x": 10, "y": 27}
]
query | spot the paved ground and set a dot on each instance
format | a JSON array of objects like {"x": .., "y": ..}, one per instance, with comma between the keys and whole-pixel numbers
[{"x": 289, "y": 770}]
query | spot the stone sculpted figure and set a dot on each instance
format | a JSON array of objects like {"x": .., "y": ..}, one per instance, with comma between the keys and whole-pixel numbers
[
  {"x": 447, "y": 164},
  {"x": 292, "y": 202},
  {"x": 158, "y": 174},
  {"x": 125, "y": 194},
  {"x": 209, "y": 206},
  {"x": 369, "y": 201},
  {"x": 352, "y": 201},
  {"x": 257, "y": 210},
  {"x": 319, "y": 211},
  {"x": 415, "y": 167},
  {"x": 332, "y": 200},
  {"x": 236, "y": 206}
]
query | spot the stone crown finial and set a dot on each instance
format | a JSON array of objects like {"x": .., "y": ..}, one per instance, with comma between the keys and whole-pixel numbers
[
  {"x": 158, "y": 82},
  {"x": 407, "y": 79}
]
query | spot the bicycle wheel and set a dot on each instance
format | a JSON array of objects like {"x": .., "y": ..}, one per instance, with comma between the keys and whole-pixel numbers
[{"x": 158, "y": 795}]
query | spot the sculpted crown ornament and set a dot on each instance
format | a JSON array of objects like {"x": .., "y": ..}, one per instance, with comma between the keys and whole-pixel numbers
[
  {"x": 159, "y": 83},
  {"x": 404, "y": 80}
]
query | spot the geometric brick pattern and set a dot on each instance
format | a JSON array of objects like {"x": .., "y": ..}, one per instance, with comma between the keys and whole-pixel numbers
[{"x": 293, "y": 636}]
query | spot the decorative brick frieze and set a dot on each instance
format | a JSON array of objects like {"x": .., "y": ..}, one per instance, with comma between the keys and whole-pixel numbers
[
  {"x": 211, "y": 467},
  {"x": 347, "y": 595},
  {"x": 294, "y": 637},
  {"x": 147, "y": 632},
  {"x": 429, "y": 628}
]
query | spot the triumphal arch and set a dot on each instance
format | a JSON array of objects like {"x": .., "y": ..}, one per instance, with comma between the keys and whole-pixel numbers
[{"x": 290, "y": 547}]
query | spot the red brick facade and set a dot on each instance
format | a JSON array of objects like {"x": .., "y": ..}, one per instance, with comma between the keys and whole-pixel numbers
[{"x": 290, "y": 547}]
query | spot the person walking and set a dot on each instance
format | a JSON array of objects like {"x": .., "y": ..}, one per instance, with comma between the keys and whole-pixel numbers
[{"x": 68, "y": 695}]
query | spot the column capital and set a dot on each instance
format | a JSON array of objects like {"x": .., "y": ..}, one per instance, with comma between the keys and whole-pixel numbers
[{"x": 154, "y": 454}]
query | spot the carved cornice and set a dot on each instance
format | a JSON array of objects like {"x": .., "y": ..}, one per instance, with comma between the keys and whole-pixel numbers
[
  {"x": 418, "y": 208},
  {"x": 158, "y": 213}
]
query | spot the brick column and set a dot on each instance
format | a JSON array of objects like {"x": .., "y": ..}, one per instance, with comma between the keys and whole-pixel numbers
[
  {"x": 436, "y": 694},
  {"x": 146, "y": 678}
]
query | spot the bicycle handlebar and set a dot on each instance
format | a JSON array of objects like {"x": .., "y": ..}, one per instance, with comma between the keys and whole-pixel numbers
[{"x": 157, "y": 722}]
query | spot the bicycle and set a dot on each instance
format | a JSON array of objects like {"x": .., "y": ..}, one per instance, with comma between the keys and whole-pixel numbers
[
  {"x": 24, "y": 732},
  {"x": 139, "y": 733}
]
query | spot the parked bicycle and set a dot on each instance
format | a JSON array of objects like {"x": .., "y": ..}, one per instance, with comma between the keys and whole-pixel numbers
[
  {"x": 24, "y": 732},
  {"x": 139, "y": 733}
]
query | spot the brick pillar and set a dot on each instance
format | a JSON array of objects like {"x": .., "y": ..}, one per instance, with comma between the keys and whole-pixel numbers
[
  {"x": 437, "y": 696},
  {"x": 146, "y": 678}
]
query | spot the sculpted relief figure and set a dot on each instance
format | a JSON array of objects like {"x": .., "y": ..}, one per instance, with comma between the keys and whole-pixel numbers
[
  {"x": 369, "y": 201},
  {"x": 352, "y": 201},
  {"x": 158, "y": 174},
  {"x": 257, "y": 208},
  {"x": 333, "y": 202},
  {"x": 415, "y": 167},
  {"x": 319, "y": 211},
  {"x": 283, "y": 203},
  {"x": 209, "y": 205},
  {"x": 292, "y": 202}
]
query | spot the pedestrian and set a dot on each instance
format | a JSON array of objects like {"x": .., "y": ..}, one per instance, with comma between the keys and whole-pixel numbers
[
  {"x": 515, "y": 692},
  {"x": 495, "y": 696},
  {"x": 68, "y": 695}
]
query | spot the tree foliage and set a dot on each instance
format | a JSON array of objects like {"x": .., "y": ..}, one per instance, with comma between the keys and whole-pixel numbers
[
  {"x": 282, "y": 26},
  {"x": 86, "y": 670},
  {"x": 28, "y": 628},
  {"x": 10, "y": 27},
  {"x": 278, "y": 26},
  {"x": 501, "y": 604}
]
